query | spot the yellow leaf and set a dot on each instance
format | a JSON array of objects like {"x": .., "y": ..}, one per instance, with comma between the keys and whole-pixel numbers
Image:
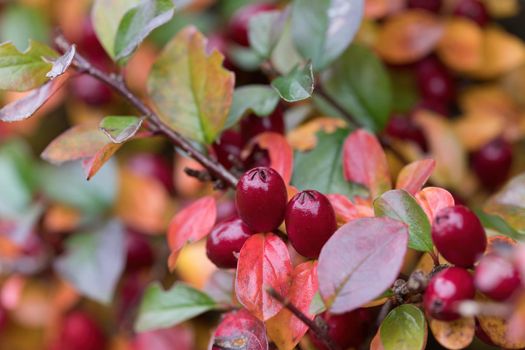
[
  {"x": 461, "y": 47},
  {"x": 454, "y": 335}
]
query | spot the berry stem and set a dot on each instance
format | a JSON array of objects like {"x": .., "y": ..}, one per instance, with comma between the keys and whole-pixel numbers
[
  {"x": 116, "y": 82},
  {"x": 469, "y": 308},
  {"x": 319, "y": 333},
  {"x": 435, "y": 258}
]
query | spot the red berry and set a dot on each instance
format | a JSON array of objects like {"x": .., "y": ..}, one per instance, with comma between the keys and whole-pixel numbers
[
  {"x": 404, "y": 128},
  {"x": 496, "y": 277},
  {"x": 429, "y": 5},
  {"x": 459, "y": 235},
  {"x": 80, "y": 332},
  {"x": 153, "y": 165},
  {"x": 258, "y": 157},
  {"x": 253, "y": 125},
  {"x": 434, "y": 81},
  {"x": 346, "y": 330},
  {"x": 90, "y": 90},
  {"x": 228, "y": 146},
  {"x": 238, "y": 27},
  {"x": 261, "y": 199},
  {"x": 310, "y": 222},
  {"x": 226, "y": 210},
  {"x": 492, "y": 163},
  {"x": 445, "y": 290},
  {"x": 439, "y": 107},
  {"x": 474, "y": 10},
  {"x": 139, "y": 254},
  {"x": 89, "y": 45},
  {"x": 225, "y": 242}
]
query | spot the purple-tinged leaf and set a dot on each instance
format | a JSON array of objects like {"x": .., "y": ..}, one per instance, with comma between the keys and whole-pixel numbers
[
  {"x": 239, "y": 330},
  {"x": 61, "y": 64}
]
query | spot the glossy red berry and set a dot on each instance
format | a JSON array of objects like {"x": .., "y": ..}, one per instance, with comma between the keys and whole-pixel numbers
[
  {"x": 139, "y": 254},
  {"x": 253, "y": 125},
  {"x": 492, "y": 163},
  {"x": 404, "y": 128},
  {"x": 228, "y": 147},
  {"x": 80, "y": 332},
  {"x": 496, "y": 277},
  {"x": 429, "y": 5},
  {"x": 346, "y": 330},
  {"x": 90, "y": 90},
  {"x": 238, "y": 26},
  {"x": 435, "y": 81},
  {"x": 261, "y": 199},
  {"x": 153, "y": 165},
  {"x": 310, "y": 222},
  {"x": 226, "y": 211},
  {"x": 225, "y": 242},
  {"x": 445, "y": 290},
  {"x": 458, "y": 235},
  {"x": 474, "y": 10}
]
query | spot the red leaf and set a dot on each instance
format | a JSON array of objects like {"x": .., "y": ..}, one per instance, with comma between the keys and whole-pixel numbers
[
  {"x": 360, "y": 261},
  {"x": 239, "y": 330},
  {"x": 279, "y": 150},
  {"x": 433, "y": 199},
  {"x": 285, "y": 329},
  {"x": 347, "y": 211},
  {"x": 264, "y": 262},
  {"x": 163, "y": 339},
  {"x": 414, "y": 175},
  {"x": 364, "y": 162},
  {"x": 191, "y": 224}
]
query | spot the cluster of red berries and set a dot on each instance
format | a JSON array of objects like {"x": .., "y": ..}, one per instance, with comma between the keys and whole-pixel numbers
[
  {"x": 262, "y": 205},
  {"x": 459, "y": 236}
]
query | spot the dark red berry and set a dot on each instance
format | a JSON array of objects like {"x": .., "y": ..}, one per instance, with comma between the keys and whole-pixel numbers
[
  {"x": 226, "y": 211},
  {"x": 258, "y": 157},
  {"x": 228, "y": 147},
  {"x": 238, "y": 27},
  {"x": 225, "y": 242},
  {"x": 253, "y": 125},
  {"x": 90, "y": 90},
  {"x": 139, "y": 254},
  {"x": 429, "y": 5},
  {"x": 80, "y": 332},
  {"x": 310, "y": 222},
  {"x": 89, "y": 45},
  {"x": 492, "y": 163},
  {"x": 131, "y": 292},
  {"x": 445, "y": 290},
  {"x": 439, "y": 107},
  {"x": 496, "y": 277},
  {"x": 459, "y": 235},
  {"x": 434, "y": 81},
  {"x": 474, "y": 10},
  {"x": 404, "y": 128},
  {"x": 153, "y": 165},
  {"x": 346, "y": 330},
  {"x": 261, "y": 199}
]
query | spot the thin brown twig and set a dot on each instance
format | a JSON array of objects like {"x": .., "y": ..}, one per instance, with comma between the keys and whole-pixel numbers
[
  {"x": 319, "y": 333},
  {"x": 116, "y": 82}
]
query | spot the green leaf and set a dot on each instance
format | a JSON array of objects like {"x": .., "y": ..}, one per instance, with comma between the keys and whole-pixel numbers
[
  {"x": 120, "y": 128},
  {"x": 190, "y": 88},
  {"x": 296, "y": 85},
  {"x": 400, "y": 205},
  {"x": 94, "y": 261},
  {"x": 15, "y": 195},
  {"x": 138, "y": 23},
  {"x": 285, "y": 56},
  {"x": 22, "y": 71},
  {"x": 245, "y": 58},
  {"x": 19, "y": 24},
  {"x": 317, "y": 305},
  {"x": 259, "y": 99},
  {"x": 496, "y": 223},
  {"x": 404, "y": 328},
  {"x": 166, "y": 308},
  {"x": 359, "y": 82},
  {"x": 264, "y": 30},
  {"x": 323, "y": 29},
  {"x": 106, "y": 16},
  {"x": 321, "y": 169}
]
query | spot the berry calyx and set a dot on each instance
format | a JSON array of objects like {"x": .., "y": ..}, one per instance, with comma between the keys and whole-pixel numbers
[
  {"x": 238, "y": 26},
  {"x": 225, "y": 242},
  {"x": 261, "y": 199},
  {"x": 347, "y": 330},
  {"x": 492, "y": 163},
  {"x": 429, "y": 5},
  {"x": 458, "y": 235},
  {"x": 445, "y": 290},
  {"x": 496, "y": 277},
  {"x": 310, "y": 222},
  {"x": 474, "y": 10}
]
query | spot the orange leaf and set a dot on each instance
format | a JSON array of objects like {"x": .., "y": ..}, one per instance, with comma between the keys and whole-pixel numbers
[
  {"x": 461, "y": 47},
  {"x": 476, "y": 130},
  {"x": 433, "y": 199},
  {"x": 454, "y": 335},
  {"x": 264, "y": 262},
  {"x": 381, "y": 8},
  {"x": 364, "y": 162},
  {"x": 346, "y": 211},
  {"x": 279, "y": 150},
  {"x": 285, "y": 329},
  {"x": 304, "y": 137},
  {"x": 191, "y": 224},
  {"x": 498, "y": 242},
  {"x": 376, "y": 343},
  {"x": 414, "y": 175},
  {"x": 409, "y": 36}
]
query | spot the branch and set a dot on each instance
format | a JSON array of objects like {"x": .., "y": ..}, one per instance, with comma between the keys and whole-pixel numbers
[
  {"x": 116, "y": 82},
  {"x": 320, "y": 333}
]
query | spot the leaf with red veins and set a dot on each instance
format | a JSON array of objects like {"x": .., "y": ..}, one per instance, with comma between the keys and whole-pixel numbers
[
  {"x": 190, "y": 225},
  {"x": 264, "y": 262},
  {"x": 414, "y": 175}
]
